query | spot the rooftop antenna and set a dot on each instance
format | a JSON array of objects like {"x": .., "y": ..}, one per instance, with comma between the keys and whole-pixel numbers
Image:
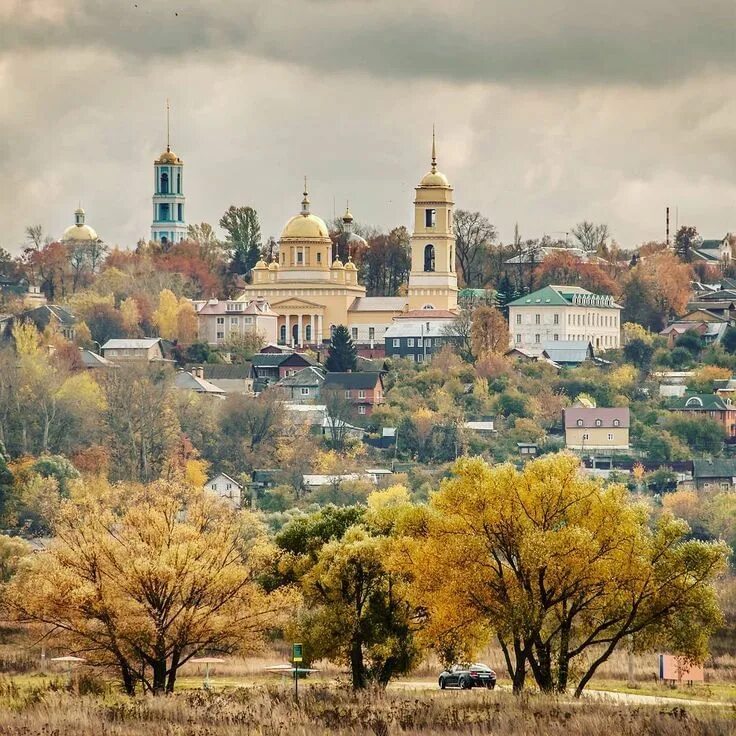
[{"x": 168, "y": 127}]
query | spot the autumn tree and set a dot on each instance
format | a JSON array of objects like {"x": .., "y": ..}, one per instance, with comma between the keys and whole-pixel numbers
[
  {"x": 565, "y": 268},
  {"x": 339, "y": 413},
  {"x": 489, "y": 333},
  {"x": 342, "y": 354},
  {"x": 591, "y": 237},
  {"x": 561, "y": 568},
  {"x": 243, "y": 237},
  {"x": 144, "y": 579},
  {"x": 474, "y": 233},
  {"x": 355, "y": 608},
  {"x": 140, "y": 421},
  {"x": 386, "y": 263},
  {"x": 656, "y": 289}
]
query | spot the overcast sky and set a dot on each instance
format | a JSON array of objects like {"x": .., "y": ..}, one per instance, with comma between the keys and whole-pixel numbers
[{"x": 547, "y": 112}]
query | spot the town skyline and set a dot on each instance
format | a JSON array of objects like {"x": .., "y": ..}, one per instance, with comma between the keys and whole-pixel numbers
[{"x": 348, "y": 96}]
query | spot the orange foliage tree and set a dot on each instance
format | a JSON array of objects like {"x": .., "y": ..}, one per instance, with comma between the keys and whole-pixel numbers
[{"x": 565, "y": 268}]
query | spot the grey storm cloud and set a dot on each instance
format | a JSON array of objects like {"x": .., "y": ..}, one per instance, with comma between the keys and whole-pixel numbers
[
  {"x": 547, "y": 112},
  {"x": 549, "y": 41}
]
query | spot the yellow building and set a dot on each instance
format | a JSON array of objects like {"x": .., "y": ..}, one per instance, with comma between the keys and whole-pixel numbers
[{"x": 312, "y": 294}]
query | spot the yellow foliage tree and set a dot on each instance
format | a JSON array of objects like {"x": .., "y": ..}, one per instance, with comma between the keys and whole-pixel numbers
[
  {"x": 166, "y": 315},
  {"x": 155, "y": 575},
  {"x": 27, "y": 339},
  {"x": 131, "y": 316},
  {"x": 701, "y": 382},
  {"x": 560, "y": 568},
  {"x": 489, "y": 333},
  {"x": 186, "y": 322}
]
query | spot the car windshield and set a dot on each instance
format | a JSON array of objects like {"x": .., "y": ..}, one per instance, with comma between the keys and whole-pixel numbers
[{"x": 483, "y": 667}]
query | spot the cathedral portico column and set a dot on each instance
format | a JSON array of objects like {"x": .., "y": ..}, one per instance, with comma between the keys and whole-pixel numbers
[
  {"x": 319, "y": 329},
  {"x": 312, "y": 333},
  {"x": 287, "y": 319}
]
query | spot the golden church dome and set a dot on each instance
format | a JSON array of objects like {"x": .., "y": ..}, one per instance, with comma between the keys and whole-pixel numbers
[
  {"x": 350, "y": 266},
  {"x": 273, "y": 266},
  {"x": 305, "y": 227},
  {"x": 79, "y": 232},
  {"x": 337, "y": 263},
  {"x": 261, "y": 264},
  {"x": 168, "y": 157},
  {"x": 434, "y": 179}
]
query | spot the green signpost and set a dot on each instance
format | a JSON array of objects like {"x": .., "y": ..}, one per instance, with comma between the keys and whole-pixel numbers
[{"x": 297, "y": 657}]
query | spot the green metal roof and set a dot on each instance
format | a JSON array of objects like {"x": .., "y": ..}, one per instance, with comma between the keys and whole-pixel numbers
[
  {"x": 701, "y": 402},
  {"x": 548, "y": 296}
]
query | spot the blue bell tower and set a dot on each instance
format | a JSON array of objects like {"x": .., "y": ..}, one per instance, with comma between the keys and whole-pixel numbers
[{"x": 169, "y": 221}]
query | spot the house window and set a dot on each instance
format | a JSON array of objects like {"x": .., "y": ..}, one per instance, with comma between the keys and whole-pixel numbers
[
  {"x": 557, "y": 319},
  {"x": 536, "y": 338},
  {"x": 164, "y": 183},
  {"x": 537, "y": 319},
  {"x": 557, "y": 337},
  {"x": 616, "y": 423},
  {"x": 180, "y": 212},
  {"x": 397, "y": 343},
  {"x": 319, "y": 257},
  {"x": 371, "y": 333},
  {"x": 428, "y": 342},
  {"x": 518, "y": 319},
  {"x": 586, "y": 437},
  {"x": 233, "y": 321},
  {"x": 299, "y": 257},
  {"x": 361, "y": 394},
  {"x": 518, "y": 339},
  {"x": 305, "y": 392},
  {"x": 214, "y": 486},
  {"x": 420, "y": 358},
  {"x": 228, "y": 486},
  {"x": 580, "y": 422},
  {"x": 354, "y": 333},
  {"x": 598, "y": 422},
  {"x": 610, "y": 436},
  {"x": 347, "y": 394},
  {"x": 419, "y": 342},
  {"x": 220, "y": 335},
  {"x": 361, "y": 410},
  {"x": 410, "y": 342},
  {"x": 430, "y": 218},
  {"x": 220, "y": 320}
]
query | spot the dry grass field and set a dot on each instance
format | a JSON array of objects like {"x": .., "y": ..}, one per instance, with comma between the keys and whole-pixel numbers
[{"x": 271, "y": 711}]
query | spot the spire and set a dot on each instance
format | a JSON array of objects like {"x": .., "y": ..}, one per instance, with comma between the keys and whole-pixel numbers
[
  {"x": 168, "y": 126},
  {"x": 305, "y": 201},
  {"x": 434, "y": 152},
  {"x": 347, "y": 219}
]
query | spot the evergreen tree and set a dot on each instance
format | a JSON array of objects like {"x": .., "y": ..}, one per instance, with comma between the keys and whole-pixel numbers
[
  {"x": 505, "y": 293},
  {"x": 342, "y": 355}
]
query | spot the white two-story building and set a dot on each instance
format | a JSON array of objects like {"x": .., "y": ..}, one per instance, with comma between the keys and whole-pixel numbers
[{"x": 565, "y": 313}]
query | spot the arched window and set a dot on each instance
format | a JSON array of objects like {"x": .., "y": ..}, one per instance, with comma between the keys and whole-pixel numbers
[
  {"x": 332, "y": 330},
  {"x": 308, "y": 333},
  {"x": 282, "y": 335},
  {"x": 598, "y": 422},
  {"x": 616, "y": 423},
  {"x": 178, "y": 183},
  {"x": 164, "y": 183},
  {"x": 429, "y": 257},
  {"x": 580, "y": 422}
]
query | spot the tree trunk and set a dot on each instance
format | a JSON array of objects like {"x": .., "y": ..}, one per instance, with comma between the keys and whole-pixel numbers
[
  {"x": 563, "y": 659},
  {"x": 173, "y": 669},
  {"x": 357, "y": 665},
  {"x": 517, "y": 667},
  {"x": 159, "y": 676},
  {"x": 542, "y": 667}
]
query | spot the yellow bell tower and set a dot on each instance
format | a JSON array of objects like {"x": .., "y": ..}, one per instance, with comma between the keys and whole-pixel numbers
[{"x": 433, "y": 280}]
